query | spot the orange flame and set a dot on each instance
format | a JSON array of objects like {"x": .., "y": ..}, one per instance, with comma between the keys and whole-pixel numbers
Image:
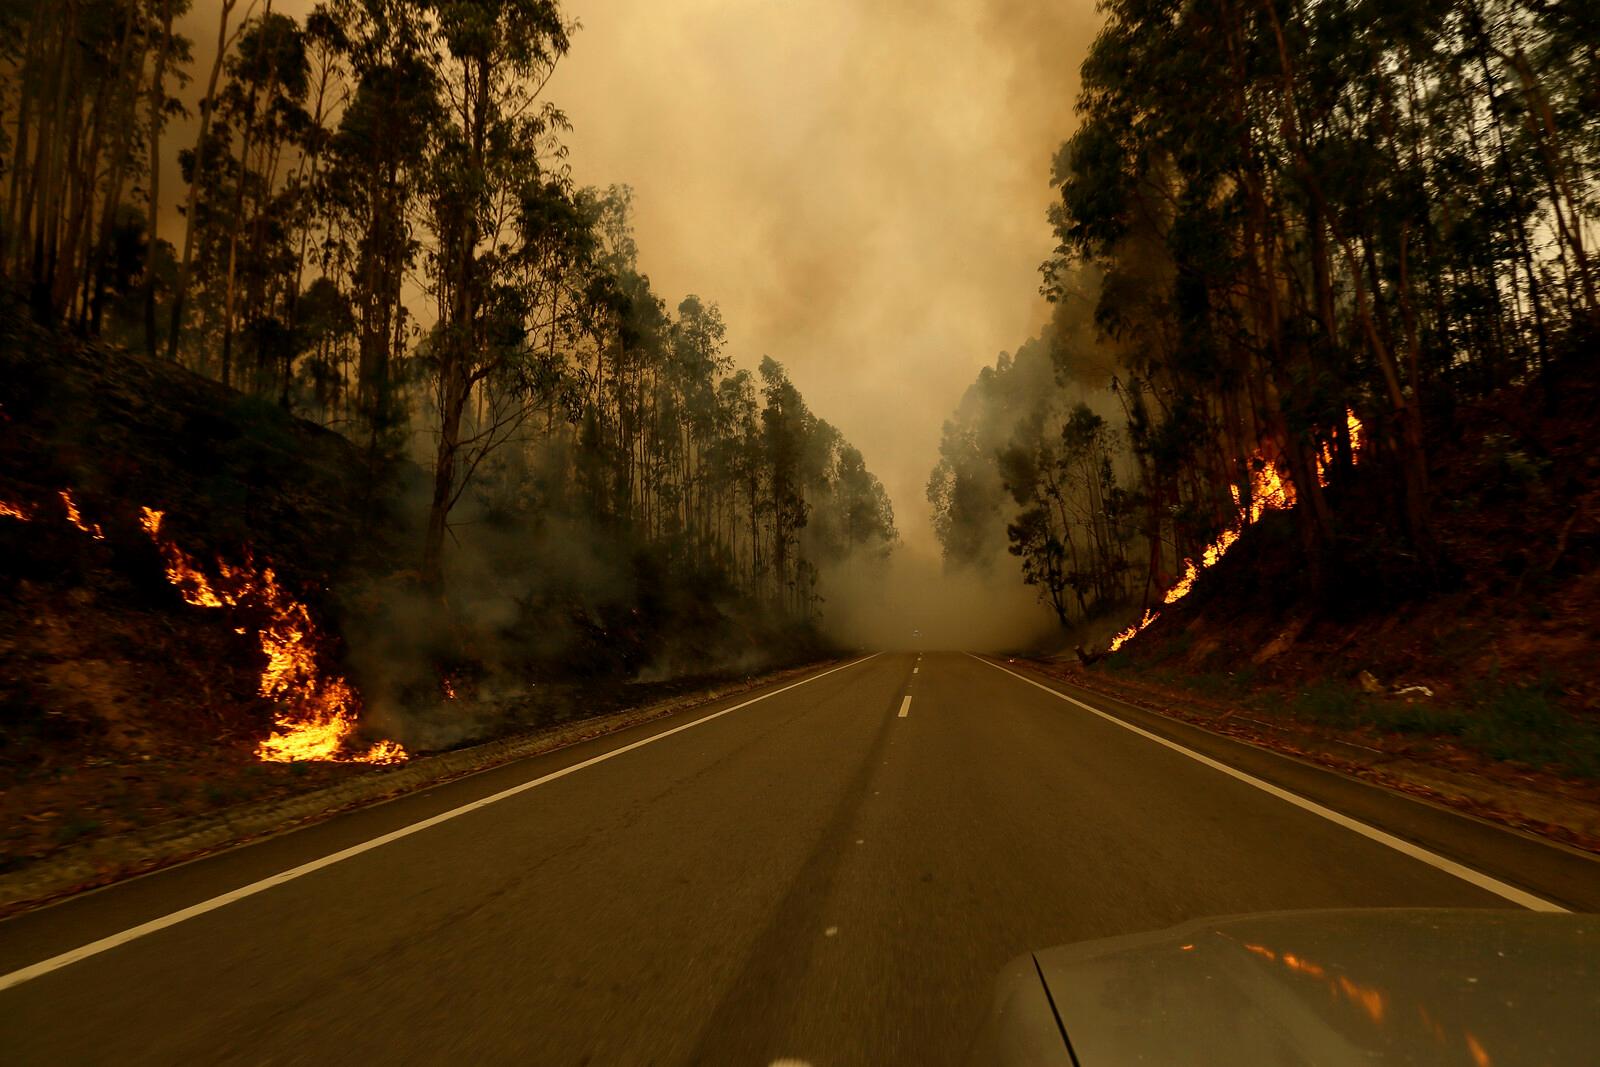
[
  {"x": 316, "y": 712},
  {"x": 188, "y": 579},
  {"x": 76, "y": 518},
  {"x": 1295, "y": 963},
  {"x": 1353, "y": 430},
  {"x": 1367, "y": 998},
  {"x": 19, "y": 512},
  {"x": 1269, "y": 491},
  {"x": 1371, "y": 1000},
  {"x": 1128, "y": 635}
]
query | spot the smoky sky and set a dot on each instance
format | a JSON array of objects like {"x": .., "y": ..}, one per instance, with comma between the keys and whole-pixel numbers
[{"x": 860, "y": 184}]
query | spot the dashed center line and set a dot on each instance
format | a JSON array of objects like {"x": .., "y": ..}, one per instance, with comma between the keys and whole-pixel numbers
[{"x": 905, "y": 707}]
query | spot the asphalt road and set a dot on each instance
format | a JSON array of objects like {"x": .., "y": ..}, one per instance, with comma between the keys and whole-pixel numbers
[{"x": 813, "y": 876}]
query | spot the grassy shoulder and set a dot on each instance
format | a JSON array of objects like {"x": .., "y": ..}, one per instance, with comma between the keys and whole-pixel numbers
[
  {"x": 1520, "y": 723},
  {"x": 1504, "y": 751}
]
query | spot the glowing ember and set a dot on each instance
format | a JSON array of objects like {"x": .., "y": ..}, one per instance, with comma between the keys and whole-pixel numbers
[
  {"x": 316, "y": 712},
  {"x": 76, "y": 518},
  {"x": 19, "y": 512},
  {"x": 449, "y": 690}
]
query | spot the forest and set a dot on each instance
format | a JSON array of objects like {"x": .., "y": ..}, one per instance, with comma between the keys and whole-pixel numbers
[
  {"x": 1355, "y": 291},
  {"x": 372, "y": 225}
]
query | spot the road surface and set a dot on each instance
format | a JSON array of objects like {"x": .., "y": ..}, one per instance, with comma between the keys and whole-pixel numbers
[{"x": 825, "y": 872}]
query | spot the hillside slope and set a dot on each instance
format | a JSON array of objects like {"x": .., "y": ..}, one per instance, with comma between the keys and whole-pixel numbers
[
  {"x": 122, "y": 703},
  {"x": 1490, "y": 662}
]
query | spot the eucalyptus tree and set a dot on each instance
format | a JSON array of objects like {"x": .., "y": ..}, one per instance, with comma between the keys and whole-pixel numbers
[
  {"x": 171, "y": 60},
  {"x": 79, "y": 71},
  {"x": 786, "y": 424},
  {"x": 227, "y": 34},
  {"x": 376, "y": 164},
  {"x": 341, "y": 163},
  {"x": 491, "y": 212},
  {"x": 1385, "y": 209},
  {"x": 262, "y": 109}
]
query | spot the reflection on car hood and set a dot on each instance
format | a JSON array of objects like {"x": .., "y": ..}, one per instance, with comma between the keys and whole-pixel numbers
[{"x": 1336, "y": 987}]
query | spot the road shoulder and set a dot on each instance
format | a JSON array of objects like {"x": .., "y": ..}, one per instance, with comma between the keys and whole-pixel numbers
[
  {"x": 106, "y": 861},
  {"x": 1539, "y": 865}
]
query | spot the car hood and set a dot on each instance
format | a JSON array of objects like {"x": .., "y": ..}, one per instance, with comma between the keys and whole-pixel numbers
[{"x": 1335, "y": 987}]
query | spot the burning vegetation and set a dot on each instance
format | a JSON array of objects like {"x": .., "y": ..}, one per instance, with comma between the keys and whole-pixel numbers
[
  {"x": 1270, "y": 490},
  {"x": 316, "y": 711},
  {"x": 76, "y": 518}
]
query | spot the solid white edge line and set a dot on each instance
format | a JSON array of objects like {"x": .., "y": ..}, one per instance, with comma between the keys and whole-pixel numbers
[
  {"x": 1404, "y": 847},
  {"x": 905, "y": 707},
  {"x": 133, "y": 933}
]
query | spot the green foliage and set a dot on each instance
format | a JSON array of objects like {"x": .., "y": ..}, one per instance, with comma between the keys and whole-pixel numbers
[
  {"x": 1522, "y": 722},
  {"x": 1510, "y": 472},
  {"x": 75, "y": 827}
]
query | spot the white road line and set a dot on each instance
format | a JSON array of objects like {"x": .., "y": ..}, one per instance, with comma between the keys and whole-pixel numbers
[
  {"x": 1416, "y": 852},
  {"x": 914, "y": 670},
  {"x": 905, "y": 707},
  {"x": 94, "y": 948}
]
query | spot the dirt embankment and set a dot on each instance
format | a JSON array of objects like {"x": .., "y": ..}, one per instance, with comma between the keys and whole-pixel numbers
[{"x": 120, "y": 704}]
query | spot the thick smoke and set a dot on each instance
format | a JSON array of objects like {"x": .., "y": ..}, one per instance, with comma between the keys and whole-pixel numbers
[
  {"x": 914, "y": 602},
  {"x": 862, "y": 185},
  {"x": 1008, "y": 428},
  {"x": 549, "y": 610}
]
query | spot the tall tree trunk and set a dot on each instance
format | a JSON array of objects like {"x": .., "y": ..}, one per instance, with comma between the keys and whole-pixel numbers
[
  {"x": 30, "y": 78},
  {"x": 157, "y": 108},
  {"x": 460, "y": 336},
  {"x": 207, "y": 107}
]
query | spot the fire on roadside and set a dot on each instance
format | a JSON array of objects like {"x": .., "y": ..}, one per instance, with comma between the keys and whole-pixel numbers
[
  {"x": 1270, "y": 490},
  {"x": 76, "y": 518},
  {"x": 315, "y": 711},
  {"x": 1127, "y": 635}
]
